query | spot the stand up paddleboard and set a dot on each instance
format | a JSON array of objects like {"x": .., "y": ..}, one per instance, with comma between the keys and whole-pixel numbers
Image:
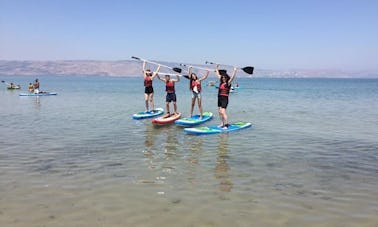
[
  {"x": 164, "y": 120},
  {"x": 38, "y": 94},
  {"x": 216, "y": 129},
  {"x": 149, "y": 114},
  {"x": 194, "y": 120}
]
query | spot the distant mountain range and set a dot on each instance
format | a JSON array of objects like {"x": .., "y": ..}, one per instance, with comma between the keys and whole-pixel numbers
[{"x": 126, "y": 68}]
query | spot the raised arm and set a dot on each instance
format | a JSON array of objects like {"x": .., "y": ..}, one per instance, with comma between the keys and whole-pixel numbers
[
  {"x": 190, "y": 72},
  {"x": 233, "y": 75},
  {"x": 156, "y": 72},
  {"x": 177, "y": 79},
  {"x": 159, "y": 77},
  {"x": 205, "y": 76},
  {"x": 217, "y": 72}
]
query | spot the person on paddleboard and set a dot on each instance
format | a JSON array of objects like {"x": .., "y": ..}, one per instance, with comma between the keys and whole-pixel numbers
[
  {"x": 171, "y": 94},
  {"x": 36, "y": 86},
  {"x": 223, "y": 92},
  {"x": 31, "y": 88},
  {"x": 195, "y": 87},
  {"x": 148, "y": 88}
]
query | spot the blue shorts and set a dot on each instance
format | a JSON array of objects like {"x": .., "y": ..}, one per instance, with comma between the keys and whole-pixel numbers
[
  {"x": 196, "y": 95},
  {"x": 171, "y": 97}
]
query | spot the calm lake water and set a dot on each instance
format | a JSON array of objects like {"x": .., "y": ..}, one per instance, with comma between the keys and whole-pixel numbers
[{"x": 79, "y": 159}]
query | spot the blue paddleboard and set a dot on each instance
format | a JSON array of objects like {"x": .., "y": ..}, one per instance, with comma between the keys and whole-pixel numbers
[
  {"x": 38, "y": 94},
  {"x": 194, "y": 120},
  {"x": 216, "y": 129},
  {"x": 149, "y": 114}
]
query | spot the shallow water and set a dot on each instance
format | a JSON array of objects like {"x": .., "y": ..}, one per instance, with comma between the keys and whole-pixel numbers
[{"x": 78, "y": 159}]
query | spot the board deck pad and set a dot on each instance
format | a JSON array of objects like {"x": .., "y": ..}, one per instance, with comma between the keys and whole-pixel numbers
[
  {"x": 163, "y": 120},
  {"x": 217, "y": 129},
  {"x": 194, "y": 120},
  {"x": 149, "y": 114}
]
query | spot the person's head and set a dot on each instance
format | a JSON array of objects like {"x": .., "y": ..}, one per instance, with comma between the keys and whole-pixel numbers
[
  {"x": 193, "y": 76},
  {"x": 148, "y": 72},
  {"x": 167, "y": 77},
  {"x": 224, "y": 76},
  {"x": 36, "y": 80}
]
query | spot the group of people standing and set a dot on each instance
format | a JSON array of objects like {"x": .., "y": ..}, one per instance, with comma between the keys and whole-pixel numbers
[
  {"x": 195, "y": 87},
  {"x": 34, "y": 87}
]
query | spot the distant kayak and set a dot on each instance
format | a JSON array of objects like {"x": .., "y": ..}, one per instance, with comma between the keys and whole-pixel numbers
[
  {"x": 13, "y": 87},
  {"x": 194, "y": 120},
  {"x": 149, "y": 114},
  {"x": 38, "y": 94},
  {"x": 164, "y": 120},
  {"x": 216, "y": 129}
]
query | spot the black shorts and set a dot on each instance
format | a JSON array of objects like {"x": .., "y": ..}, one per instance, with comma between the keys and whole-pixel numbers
[
  {"x": 171, "y": 97},
  {"x": 148, "y": 90},
  {"x": 222, "y": 101}
]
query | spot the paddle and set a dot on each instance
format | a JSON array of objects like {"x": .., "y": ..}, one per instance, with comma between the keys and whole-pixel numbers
[
  {"x": 178, "y": 70},
  {"x": 172, "y": 74},
  {"x": 247, "y": 69},
  {"x": 196, "y": 67}
]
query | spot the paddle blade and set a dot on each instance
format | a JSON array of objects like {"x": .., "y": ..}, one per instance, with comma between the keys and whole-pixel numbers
[
  {"x": 186, "y": 76},
  {"x": 133, "y": 57},
  {"x": 248, "y": 69},
  {"x": 178, "y": 70}
]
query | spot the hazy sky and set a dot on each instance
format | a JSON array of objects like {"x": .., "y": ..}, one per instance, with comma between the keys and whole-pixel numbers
[{"x": 282, "y": 34}]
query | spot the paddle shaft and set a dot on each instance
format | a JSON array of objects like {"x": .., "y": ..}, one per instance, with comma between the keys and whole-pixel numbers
[
  {"x": 155, "y": 63},
  {"x": 247, "y": 69},
  {"x": 198, "y": 67}
]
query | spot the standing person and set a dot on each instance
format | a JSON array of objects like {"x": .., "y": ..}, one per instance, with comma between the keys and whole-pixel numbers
[
  {"x": 36, "y": 86},
  {"x": 223, "y": 92},
  {"x": 195, "y": 87},
  {"x": 171, "y": 94},
  {"x": 148, "y": 88}
]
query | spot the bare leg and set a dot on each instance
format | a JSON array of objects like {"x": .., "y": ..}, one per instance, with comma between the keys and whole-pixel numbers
[
  {"x": 192, "y": 106},
  {"x": 175, "y": 107},
  {"x": 146, "y": 101},
  {"x": 220, "y": 116},
  {"x": 152, "y": 101},
  {"x": 225, "y": 117},
  {"x": 200, "y": 107},
  {"x": 167, "y": 107}
]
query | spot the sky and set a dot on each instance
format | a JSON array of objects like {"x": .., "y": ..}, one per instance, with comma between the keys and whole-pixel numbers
[{"x": 290, "y": 34}]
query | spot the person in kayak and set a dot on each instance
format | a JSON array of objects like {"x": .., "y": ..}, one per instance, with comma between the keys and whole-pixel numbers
[
  {"x": 36, "y": 86},
  {"x": 195, "y": 87},
  {"x": 148, "y": 88},
  {"x": 223, "y": 92},
  {"x": 171, "y": 94}
]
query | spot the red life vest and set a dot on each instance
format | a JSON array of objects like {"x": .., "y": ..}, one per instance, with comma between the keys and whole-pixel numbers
[
  {"x": 195, "y": 83},
  {"x": 147, "y": 81},
  {"x": 224, "y": 89},
  {"x": 170, "y": 87}
]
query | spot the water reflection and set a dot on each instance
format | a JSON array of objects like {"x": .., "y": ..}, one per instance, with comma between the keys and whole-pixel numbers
[
  {"x": 149, "y": 140},
  {"x": 222, "y": 168},
  {"x": 161, "y": 147}
]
